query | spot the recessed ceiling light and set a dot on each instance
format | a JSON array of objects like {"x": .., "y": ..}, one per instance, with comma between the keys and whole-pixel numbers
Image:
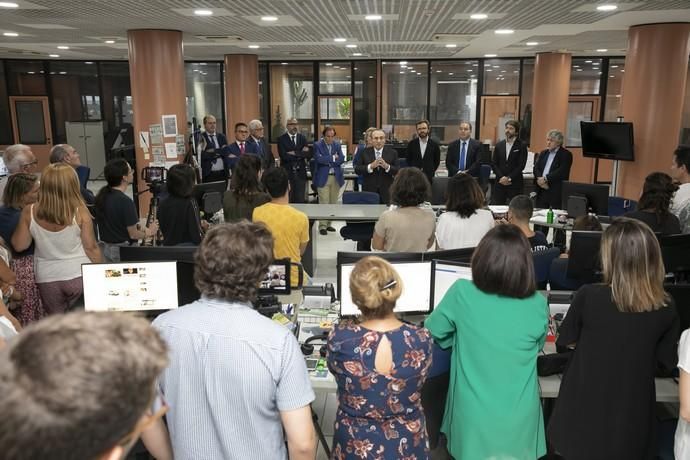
[
  {"x": 269, "y": 18},
  {"x": 31, "y": 72},
  {"x": 11, "y": 34},
  {"x": 602, "y": 50},
  {"x": 450, "y": 73},
  {"x": 612, "y": 76},
  {"x": 339, "y": 40},
  {"x": 63, "y": 47},
  {"x": 110, "y": 42},
  {"x": 253, "y": 46},
  {"x": 496, "y": 66},
  {"x": 578, "y": 70},
  {"x": 402, "y": 72},
  {"x": 63, "y": 73},
  {"x": 373, "y": 17},
  {"x": 490, "y": 55},
  {"x": 8, "y": 5},
  {"x": 588, "y": 62},
  {"x": 328, "y": 64},
  {"x": 622, "y": 70},
  {"x": 489, "y": 70},
  {"x": 203, "y": 12},
  {"x": 607, "y": 7},
  {"x": 356, "y": 54},
  {"x": 479, "y": 16},
  {"x": 351, "y": 45},
  {"x": 283, "y": 63},
  {"x": 451, "y": 45},
  {"x": 504, "y": 31},
  {"x": 532, "y": 43},
  {"x": 54, "y": 55},
  {"x": 403, "y": 62},
  {"x": 89, "y": 62}
]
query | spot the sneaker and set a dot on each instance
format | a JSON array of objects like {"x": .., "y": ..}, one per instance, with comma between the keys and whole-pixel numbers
[{"x": 323, "y": 231}]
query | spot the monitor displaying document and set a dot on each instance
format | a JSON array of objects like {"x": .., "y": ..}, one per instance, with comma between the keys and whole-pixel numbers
[
  {"x": 443, "y": 275},
  {"x": 416, "y": 279},
  {"x": 130, "y": 286}
]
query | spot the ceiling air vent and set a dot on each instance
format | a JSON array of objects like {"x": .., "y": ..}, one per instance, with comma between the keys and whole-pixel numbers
[
  {"x": 454, "y": 38},
  {"x": 221, "y": 38},
  {"x": 302, "y": 54}
]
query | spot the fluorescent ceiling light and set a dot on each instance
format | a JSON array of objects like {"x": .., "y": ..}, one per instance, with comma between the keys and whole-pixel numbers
[
  {"x": 356, "y": 54},
  {"x": 532, "y": 43},
  {"x": 490, "y": 55},
  {"x": 504, "y": 31},
  {"x": 328, "y": 64},
  {"x": 451, "y": 45},
  {"x": 89, "y": 62},
  {"x": 63, "y": 73},
  {"x": 340, "y": 40},
  {"x": 351, "y": 45},
  {"x": 54, "y": 55},
  {"x": 607, "y": 7},
  {"x": 203, "y": 12},
  {"x": 403, "y": 62},
  {"x": 8, "y": 5},
  {"x": 269, "y": 18},
  {"x": 479, "y": 16},
  {"x": 253, "y": 46},
  {"x": 614, "y": 66},
  {"x": 110, "y": 42},
  {"x": 11, "y": 34},
  {"x": 373, "y": 17},
  {"x": 283, "y": 63},
  {"x": 63, "y": 47},
  {"x": 602, "y": 50}
]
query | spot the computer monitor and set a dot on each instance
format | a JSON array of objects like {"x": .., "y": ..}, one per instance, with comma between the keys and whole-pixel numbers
[
  {"x": 130, "y": 286},
  {"x": 277, "y": 279},
  {"x": 463, "y": 255},
  {"x": 607, "y": 139},
  {"x": 209, "y": 195},
  {"x": 597, "y": 196},
  {"x": 443, "y": 274},
  {"x": 681, "y": 297},
  {"x": 416, "y": 280},
  {"x": 584, "y": 261},
  {"x": 353, "y": 257},
  {"x": 675, "y": 250}
]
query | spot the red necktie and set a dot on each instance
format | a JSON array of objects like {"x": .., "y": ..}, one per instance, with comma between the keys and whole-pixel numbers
[{"x": 242, "y": 148}]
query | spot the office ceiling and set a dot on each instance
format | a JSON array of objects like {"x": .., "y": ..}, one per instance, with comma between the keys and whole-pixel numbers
[{"x": 306, "y": 29}]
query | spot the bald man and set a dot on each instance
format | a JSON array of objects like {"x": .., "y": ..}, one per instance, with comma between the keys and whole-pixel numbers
[{"x": 65, "y": 153}]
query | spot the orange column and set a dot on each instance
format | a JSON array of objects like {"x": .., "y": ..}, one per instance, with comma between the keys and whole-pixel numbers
[
  {"x": 550, "y": 100},
  {"x": 241, "y": 90},
  {"x": 656, "y": 69},
  {"x": 156, "y": 73}
]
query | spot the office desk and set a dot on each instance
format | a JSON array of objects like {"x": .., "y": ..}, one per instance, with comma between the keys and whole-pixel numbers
[{"x": 346, "y": 212}]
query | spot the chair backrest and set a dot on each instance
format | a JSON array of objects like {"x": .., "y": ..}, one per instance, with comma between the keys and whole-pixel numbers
[
  {"x": 681, "y": 296},
  {"x": 542, "y": 263},
  {"x": 619, "y": 205},
  {"x": 439, "y": 187},
  {"x": 584, "y": 262},
  {"x": 675, "y": 250},
  {"x": 361, "y": 198},
  {"x": 402, "y": 163}
]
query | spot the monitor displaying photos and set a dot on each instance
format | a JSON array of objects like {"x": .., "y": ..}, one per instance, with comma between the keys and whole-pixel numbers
[
  {"x": 416, "y": 279},
  {"x": 277, "y": 279},
  {"x": 444, "y": 274},
  {"x": 130, "y": 286}
]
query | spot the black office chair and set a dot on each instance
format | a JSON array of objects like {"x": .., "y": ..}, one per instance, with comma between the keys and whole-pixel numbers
[
  {"x": 361, "y": 232},
  {"x": 542, "y": 265},
  {"x": 439, "y": 187}
]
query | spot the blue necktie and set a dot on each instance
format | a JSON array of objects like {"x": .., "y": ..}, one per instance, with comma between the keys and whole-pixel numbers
[{"x": 462, "y": 156}]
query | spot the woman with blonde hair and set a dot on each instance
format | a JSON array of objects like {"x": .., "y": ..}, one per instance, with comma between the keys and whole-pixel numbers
[
  {"x": 380, "y": 365},
  {"x": 61, "y": 228},
  {"x": 623, "y": 330}
]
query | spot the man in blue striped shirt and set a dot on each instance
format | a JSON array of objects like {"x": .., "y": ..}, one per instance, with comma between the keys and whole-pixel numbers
[{"x": 236, "y": 379}]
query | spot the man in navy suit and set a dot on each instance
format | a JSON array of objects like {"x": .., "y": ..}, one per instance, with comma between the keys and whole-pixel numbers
[
  {"x": 293, "y": 151},
  {"x": 241, "y": 146},
  {"x": 423, "y": 152},
  {"x": 463, "y": 154},
  {"x": 213, "y": 158},
  {"x": 510, "y": 157},
  {"x": 551, "y": 168},
  {"x": 256, "y": 136},
  {"x": 378, "y": 164},
  {"x": 328, "y": 177}
]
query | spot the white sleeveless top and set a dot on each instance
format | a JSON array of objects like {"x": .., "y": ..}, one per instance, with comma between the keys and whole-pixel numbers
[{"x": 57, "y": 255}]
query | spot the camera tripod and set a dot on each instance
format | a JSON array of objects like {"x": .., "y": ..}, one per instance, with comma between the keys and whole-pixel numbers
[{"x": 154, "y": 176}]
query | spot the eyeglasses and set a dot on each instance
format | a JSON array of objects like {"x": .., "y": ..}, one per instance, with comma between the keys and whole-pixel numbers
[
  {"x": 27, "y": 165},
  {"x": 244, "y": 131},
  {"x": 146, "y": 421}
]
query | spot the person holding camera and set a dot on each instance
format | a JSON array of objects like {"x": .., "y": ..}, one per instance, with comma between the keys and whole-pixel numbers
[
  {"x": 116, "y": 216},
  {"x": 178, "y": 215}
]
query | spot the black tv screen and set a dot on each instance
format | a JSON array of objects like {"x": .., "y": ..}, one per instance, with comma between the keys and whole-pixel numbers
[{"x": 609, "y": 140}]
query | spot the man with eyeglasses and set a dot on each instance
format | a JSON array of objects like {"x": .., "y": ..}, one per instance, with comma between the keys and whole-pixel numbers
[
  {"x": 212, "y": 157},
  {"x": 65, "y": 153},
  {"x": 293, "y": 151},
  {"x": 17, "y": 158},
  {"x": 82, "y": 385},
  {"x": 256, "y": 136},
  {"x": 241, "y": 146}
]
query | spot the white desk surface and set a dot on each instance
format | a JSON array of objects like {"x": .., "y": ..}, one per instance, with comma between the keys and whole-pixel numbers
[{"x": 347, "y": 212}]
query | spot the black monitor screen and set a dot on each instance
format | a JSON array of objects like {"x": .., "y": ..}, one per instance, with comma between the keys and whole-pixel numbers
[
  {"x": 597, "y": 196},
  {"x": 584, "y": 262},
  {"x": 209, "y": 196},
  {"x": 605, "y": 139},
  {"x": 463, "y": 255},
  {"x": 353, "y": 257}
]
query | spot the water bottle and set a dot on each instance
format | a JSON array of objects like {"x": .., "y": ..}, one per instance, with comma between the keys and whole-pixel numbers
[{"x": 549, "y": 216}]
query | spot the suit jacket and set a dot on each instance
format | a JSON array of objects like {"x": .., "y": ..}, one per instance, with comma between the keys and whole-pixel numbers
[
  {"x": 432, "y": 157},
  {"x": 285, "y": 145},
  {"x": 210, "y": 153},
  {"x": 559, "y": 172},
  {"x": 324, "y": 162},
  {"x": 264, "y": 151},
  {"x": 472, "y": 163},
  {"x": 378, "y": 180},
  {"x": 513, "y": 165},
  {"x": 234, "y": 154}
]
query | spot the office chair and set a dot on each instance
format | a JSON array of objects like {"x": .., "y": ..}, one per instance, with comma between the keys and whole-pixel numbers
[
  {"x": 619, "y": 206},
  {"x": 402, "y": 163},
  {"x": 483, "y": 178},
  {"x": 542, "y": 265},
  {"x": 439, "y": 186},
  {"x": 361, "y": 232}
]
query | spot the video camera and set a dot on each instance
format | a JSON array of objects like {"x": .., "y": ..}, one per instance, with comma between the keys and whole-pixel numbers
[{"x": 155, "y": 177}]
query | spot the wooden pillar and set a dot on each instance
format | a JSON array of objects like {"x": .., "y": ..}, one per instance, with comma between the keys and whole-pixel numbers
[
  {"x": 550, "y": 100},
  {"x": 656, "y": 70},
  {"x": 241, "y": 91},
  {"x": 156, "y": 72}
]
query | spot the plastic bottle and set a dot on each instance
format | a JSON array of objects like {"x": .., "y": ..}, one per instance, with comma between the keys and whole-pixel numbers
[{"x": 549, "y": 216}]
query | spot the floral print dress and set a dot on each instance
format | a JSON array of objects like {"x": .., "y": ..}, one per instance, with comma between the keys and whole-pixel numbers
[{"x": 379, "y": 416}]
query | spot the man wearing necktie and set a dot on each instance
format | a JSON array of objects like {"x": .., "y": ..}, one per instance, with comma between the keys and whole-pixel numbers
[
  {"x": 551, "y": 168},
  {"x": 256, "y": 136},
  {"x": 328, "y": 176},
  {"x": 213, "y": 158},
  {"x": 241, "y": 146},
  {"x": 463, "y": 154},
  {"x": 293, "y": 151},
  {"x": 378, "y": 165}
]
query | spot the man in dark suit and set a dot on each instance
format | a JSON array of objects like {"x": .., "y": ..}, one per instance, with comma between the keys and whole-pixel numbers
[
  {"x": 423, "y": 152},
  {"x": 293, "y": 151},
  {"x": 241, "y": 146},
  {"x": 551, "y": 168},
  {"x": 510, "y": 157},
  {"x": 213, "y": 157},
  {"x": 463, "y": 154},
  {"x": 378, "y": 164},
  {"x": 256, "y": 136}
]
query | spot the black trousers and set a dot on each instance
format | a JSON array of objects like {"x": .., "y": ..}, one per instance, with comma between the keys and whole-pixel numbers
[
  {"x": 297, "y": 176},
  {"x": 502, "y": 194}
]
